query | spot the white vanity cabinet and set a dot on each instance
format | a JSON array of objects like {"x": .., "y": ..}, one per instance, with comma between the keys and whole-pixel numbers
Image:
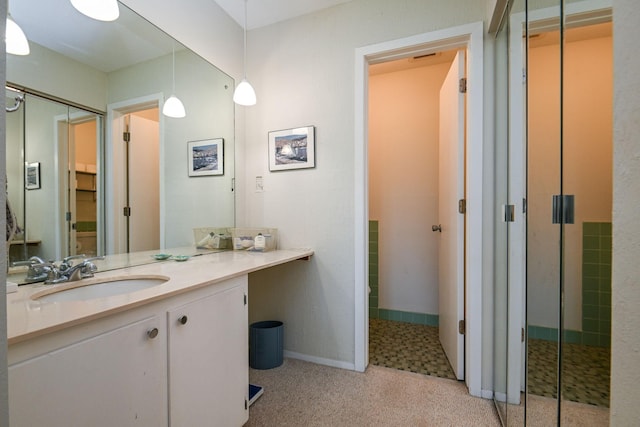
[
  {"x": 113, "y": 378},
  {"x": 208, "y": 360},
  {"x": 178, "y": 361}
]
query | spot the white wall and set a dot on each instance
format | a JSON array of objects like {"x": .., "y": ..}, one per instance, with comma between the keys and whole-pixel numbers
[
  {"x": 625, "y": 351},
  {"x": 587, "y": 167},
  {"x": 66, "y": 79},
  {"x": 403, "y": 184},
  {"x": 303, "y": 73}
]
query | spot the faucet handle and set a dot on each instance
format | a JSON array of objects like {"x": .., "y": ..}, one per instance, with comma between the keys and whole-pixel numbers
[
  {"x": 31, "y": 261},
  {"x": 66, "y": 261},
  {"x": 88, "y": 267}
]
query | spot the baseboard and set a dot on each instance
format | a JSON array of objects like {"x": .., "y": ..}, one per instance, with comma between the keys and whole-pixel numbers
[
  {"x": 487, "y": 394},
  {"x": 320, "y": 360}
]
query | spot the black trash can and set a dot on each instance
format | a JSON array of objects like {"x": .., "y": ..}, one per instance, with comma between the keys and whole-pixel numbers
[{"x": 265, "y": 344}]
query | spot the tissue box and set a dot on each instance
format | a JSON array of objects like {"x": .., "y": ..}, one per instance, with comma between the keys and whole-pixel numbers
[
  {"x": 212, "y": 238},
  {"x": 243, "y": 238}
]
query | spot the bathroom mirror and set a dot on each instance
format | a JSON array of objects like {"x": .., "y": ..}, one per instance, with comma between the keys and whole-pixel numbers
[{"x": 91, "y": 82}]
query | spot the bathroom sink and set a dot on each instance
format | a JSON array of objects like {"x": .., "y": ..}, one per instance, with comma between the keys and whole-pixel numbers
[{"x": 98, "y": 288}]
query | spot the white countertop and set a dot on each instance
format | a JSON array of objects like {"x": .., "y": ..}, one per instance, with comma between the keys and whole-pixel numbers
[{"x": 28, "y": 318}]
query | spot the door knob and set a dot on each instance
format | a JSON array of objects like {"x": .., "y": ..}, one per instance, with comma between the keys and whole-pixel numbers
[
  {"x": 152, "y": 333},
  {"x": 436, "y": 228}
]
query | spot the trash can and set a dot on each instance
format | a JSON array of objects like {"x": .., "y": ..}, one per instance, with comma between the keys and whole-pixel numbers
[{"x": 265, "y": 344}]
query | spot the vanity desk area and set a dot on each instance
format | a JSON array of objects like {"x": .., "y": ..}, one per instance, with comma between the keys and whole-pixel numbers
[{"x": 174, "y": 352}]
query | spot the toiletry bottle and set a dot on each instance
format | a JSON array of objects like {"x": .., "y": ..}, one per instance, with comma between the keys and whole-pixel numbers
[{"x": 259, "y": 242}]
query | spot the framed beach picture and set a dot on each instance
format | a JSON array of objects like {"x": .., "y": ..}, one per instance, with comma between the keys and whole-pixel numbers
[
  {"x": 32, "y": 176},
  {"x": 206, "y": 157},
  {"x": 292, "y": 149}
]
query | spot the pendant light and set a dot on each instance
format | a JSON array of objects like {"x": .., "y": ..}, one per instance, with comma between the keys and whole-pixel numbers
[
  {"x": 16, "y": 41},
  {"x": 244, "y": 93},
  {"x": 173, "y": 107},
  {"x": 101, "y": 10}
]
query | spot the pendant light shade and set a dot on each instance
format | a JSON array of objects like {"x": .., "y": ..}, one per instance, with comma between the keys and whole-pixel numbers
[
  {"x": 173, "y": 107},
  {"x": 244, "y": 93},
  {"x": 17, "y": 43},
  {"x": 101, "y": 10}
]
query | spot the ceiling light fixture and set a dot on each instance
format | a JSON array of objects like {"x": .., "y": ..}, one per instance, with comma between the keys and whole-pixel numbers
[
  {"x": 173, "y": 107},
  {"x": 101, "y": 10},
  {"x": 244, "y": 93},
  {"x": 16, "y": 41}
]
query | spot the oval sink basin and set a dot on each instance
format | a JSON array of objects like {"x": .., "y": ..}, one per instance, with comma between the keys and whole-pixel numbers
[{"x": 99, "y": 288}]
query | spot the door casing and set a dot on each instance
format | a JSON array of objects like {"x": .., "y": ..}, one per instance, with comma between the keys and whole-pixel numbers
[{"x": 470, "y": 37}]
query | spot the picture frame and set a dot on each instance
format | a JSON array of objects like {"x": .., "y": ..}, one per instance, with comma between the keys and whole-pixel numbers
[
  {"x": 32, "y": 176},
  {"x": 292, "y": 149},
  {"x": 206, "y": 157}
]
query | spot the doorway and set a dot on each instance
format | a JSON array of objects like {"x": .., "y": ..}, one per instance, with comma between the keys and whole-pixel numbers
[
  {"x": 416, "y": 121},
  {"x": 468, "y": 37},
  {"x": 134, "y": 153}
]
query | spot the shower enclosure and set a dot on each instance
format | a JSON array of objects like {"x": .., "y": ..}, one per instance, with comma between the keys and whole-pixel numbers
[
  {"x": 53, "y": 157},
  {"x": 553, "y": 286}
]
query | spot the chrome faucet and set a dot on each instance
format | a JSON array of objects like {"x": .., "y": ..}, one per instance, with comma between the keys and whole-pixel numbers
[
  {"x": 71, "y": 273},
  {"x": 66, "y": 271}
]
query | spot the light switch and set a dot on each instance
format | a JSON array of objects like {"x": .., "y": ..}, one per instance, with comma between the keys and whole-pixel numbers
[{"x": 259, "y": 184}]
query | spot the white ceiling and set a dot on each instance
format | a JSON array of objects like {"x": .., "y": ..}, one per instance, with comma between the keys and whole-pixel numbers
[{"x": 265, "y": 12}]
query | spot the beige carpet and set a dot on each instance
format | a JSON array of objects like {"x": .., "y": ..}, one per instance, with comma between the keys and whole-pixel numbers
[{"x": 305, "y": 394}]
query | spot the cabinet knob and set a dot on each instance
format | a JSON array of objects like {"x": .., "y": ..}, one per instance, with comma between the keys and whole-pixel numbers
[
  {"x": 183, "y": 320},
  {"x": 152, "y": 333}
]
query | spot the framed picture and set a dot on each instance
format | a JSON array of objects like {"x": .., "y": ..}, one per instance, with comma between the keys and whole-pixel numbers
[
  {"x": 292, "y": 149},
  {"x": 32, "y": 176},
  {"x": 206, "y": 157}
]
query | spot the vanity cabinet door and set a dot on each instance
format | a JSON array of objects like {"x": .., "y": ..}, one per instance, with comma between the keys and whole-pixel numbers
[
  {"x": 208, "y": 359},
  {"x": 117, "y": 378}
]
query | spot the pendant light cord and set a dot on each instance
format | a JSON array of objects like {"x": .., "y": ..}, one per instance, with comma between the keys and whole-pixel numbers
[
  {"x": 173, "y": 67},
  {"x": 245, "y": 39}
]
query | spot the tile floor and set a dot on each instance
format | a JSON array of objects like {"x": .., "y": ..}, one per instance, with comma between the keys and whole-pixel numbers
[
  {"x": 586, "y": 372},
  {"x": 408, "y": 347},
  {"x": 416, "y": 348}
]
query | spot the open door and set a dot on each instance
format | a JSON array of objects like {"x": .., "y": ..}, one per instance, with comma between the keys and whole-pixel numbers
[
  {"x": 451, "y": 192},
  {"x": 144, "y": 181}
]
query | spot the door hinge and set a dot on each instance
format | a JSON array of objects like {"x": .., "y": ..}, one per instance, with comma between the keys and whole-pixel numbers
[
  {"x": 246, "y": 404},
  {"x": 463, "y": 85},
  {"x": 522, "y": 335},
  {"x": 461, "y": 327},
  {"x": 67, "y": 216},
  {"x": 127, "y": 211},
  {"x": 126, "y": 136},
  {"x": 245, "y": 299},
  {"x": 509, "y": 213},
  {"x": 462, "y": 206},
  {"x": 524, "y": 205}
]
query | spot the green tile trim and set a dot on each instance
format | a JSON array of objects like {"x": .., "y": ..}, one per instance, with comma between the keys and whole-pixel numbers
[
  {"x": 596, "y": 283},
  {"x": 86, "y": 226},
  {"x": 374, "y": 276},
  {"x": 404, "y": 316}
]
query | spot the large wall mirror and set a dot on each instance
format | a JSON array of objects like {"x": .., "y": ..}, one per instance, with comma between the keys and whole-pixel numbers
[{"x": 73, "y": 182}]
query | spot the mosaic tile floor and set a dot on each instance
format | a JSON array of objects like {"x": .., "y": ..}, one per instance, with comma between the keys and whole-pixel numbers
[
  {"x": 408, "y": 347},
  {"x": 586, "y": 372}
]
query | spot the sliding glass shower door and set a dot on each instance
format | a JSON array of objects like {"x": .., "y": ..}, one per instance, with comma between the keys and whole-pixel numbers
[{"x": 569, "y": 201}]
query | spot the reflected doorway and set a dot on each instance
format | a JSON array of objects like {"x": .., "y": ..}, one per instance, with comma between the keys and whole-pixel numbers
[{"x": 135, "y": 177}]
